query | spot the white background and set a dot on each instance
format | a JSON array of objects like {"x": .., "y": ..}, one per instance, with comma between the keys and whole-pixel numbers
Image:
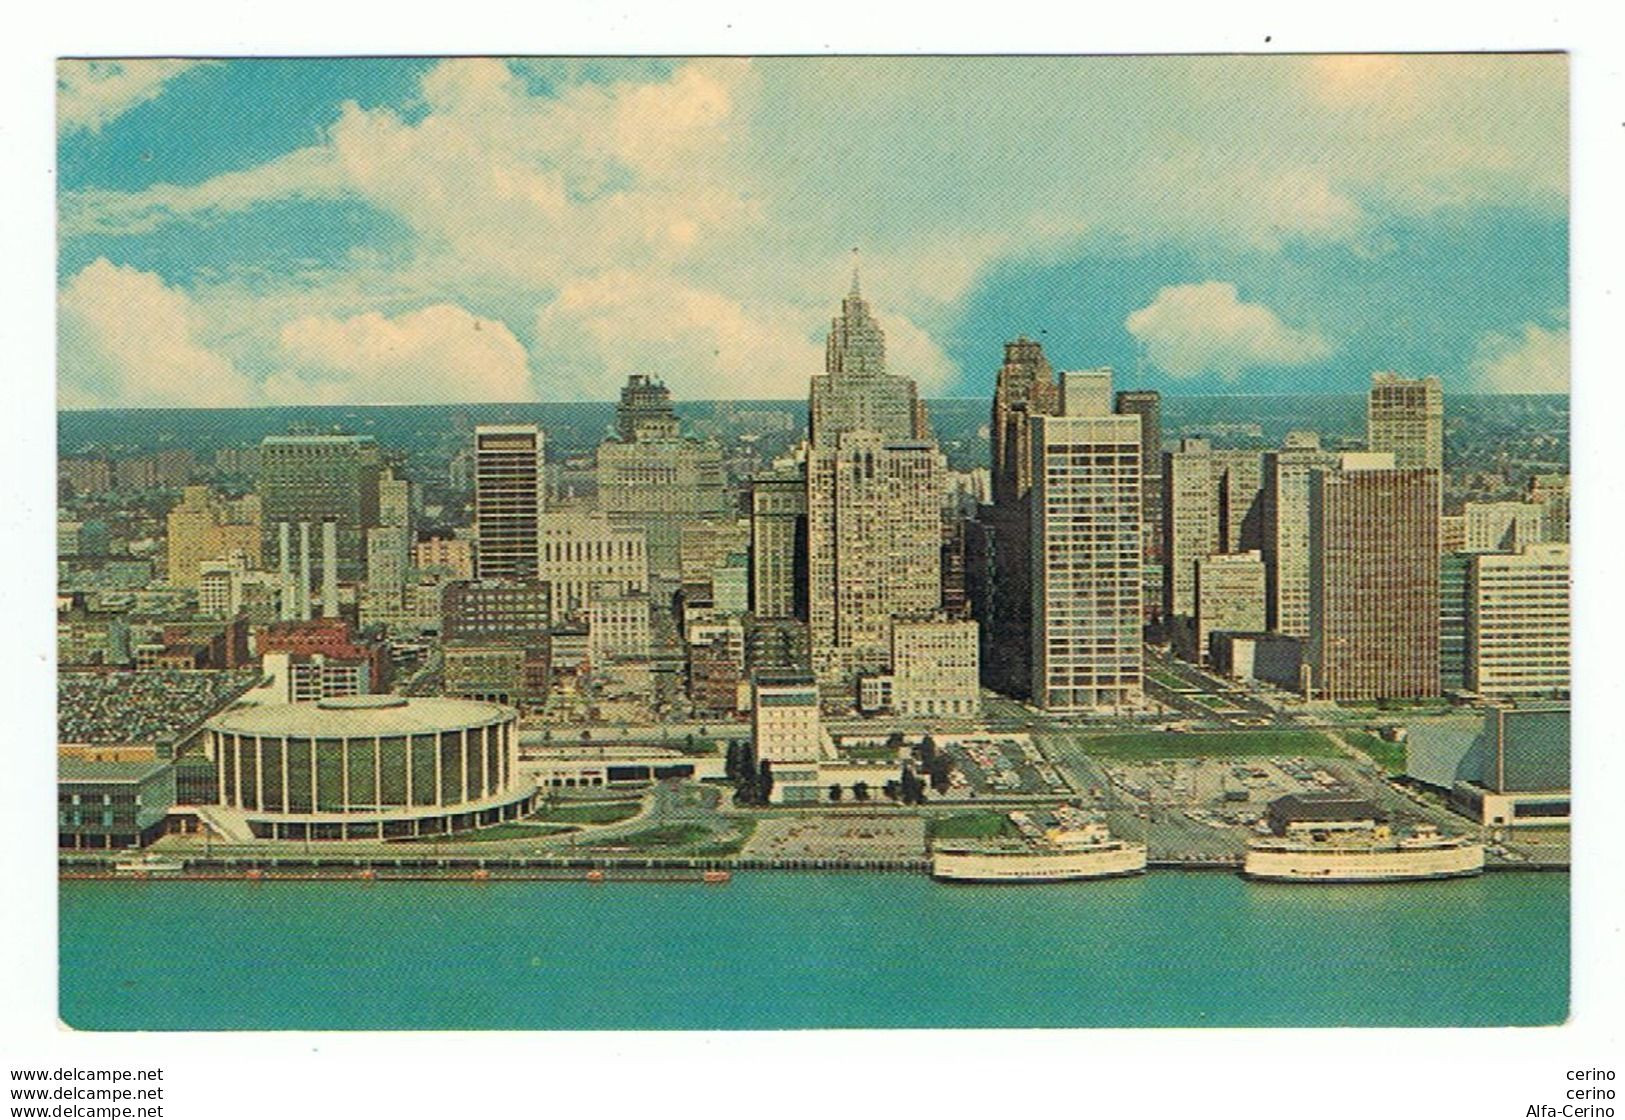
[{"x": 1325, "y": 1074}]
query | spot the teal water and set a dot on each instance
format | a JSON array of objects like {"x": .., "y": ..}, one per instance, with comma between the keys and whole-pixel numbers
[{"x": 808, "y": 950}]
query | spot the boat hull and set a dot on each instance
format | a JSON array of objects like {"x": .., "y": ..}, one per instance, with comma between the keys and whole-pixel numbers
[
  {"x": 1383, "y": 865},
  {"x": 1037, "y": 867}
]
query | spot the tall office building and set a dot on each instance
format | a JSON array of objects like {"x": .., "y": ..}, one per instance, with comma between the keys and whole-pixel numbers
[
  {"x": 875, "y": 484},
  {"x": 1551, "y": 493},
  {"x": 311, "y": 479},
  {"x": 510, "y": 485},
  {"x": 1374, "y": 580},
  {"x": 778, "y": 542},
  {"x": 1025, "y": 387},
  {"x": 651, "y": 477},
  {"x": 1518, "y": 622},
  {"x": 1405, "y": 416},
  {"x": 1284, "y": 505},
  {"x": 1147, "y": 405},
  {"x": 855, "y": 393},
  {"x": 874, "y": 535},
  {"x": 999, "y": 559},
  {"x": 1239, "y": 475},
  {"x": 1190, "y": 522},
  {"x": 1086, "y": 558}
]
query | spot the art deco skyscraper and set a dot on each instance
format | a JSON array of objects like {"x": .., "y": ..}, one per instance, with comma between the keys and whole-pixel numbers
[
  {"x": 875, "y": 483},
  {"x": 1086, "y": 557},
  {"x": 1374, "y": 580},
  {"x": 1025, "y": 387},
  {"x": 509, "y": 485}
]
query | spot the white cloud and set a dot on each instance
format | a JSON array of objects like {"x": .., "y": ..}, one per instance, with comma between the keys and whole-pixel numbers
[
  {"x": 128, "y": 340},
  {"x": 310, "y": 173},
  {"x": 1192, "y": 329},
  {"x": 92, "y": 92},
  {"x": 439, "y": 354},
  {"x": 703, "y": 343},
  {"x": 1535, "y": 361},
  {"x": 732, "y": 188}
]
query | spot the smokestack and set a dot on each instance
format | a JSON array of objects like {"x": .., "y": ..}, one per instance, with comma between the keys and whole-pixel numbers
[
  {"x": 284, "y": 570},
  {"x": 330, "y": 569},
  {"x": 304, "y": 570}
]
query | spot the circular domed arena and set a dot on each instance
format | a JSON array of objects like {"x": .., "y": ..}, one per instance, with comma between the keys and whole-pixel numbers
[{"x": 368, "y": 768}]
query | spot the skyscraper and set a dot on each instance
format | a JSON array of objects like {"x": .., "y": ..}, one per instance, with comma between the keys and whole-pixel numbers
[
  {"x": 874, "y": 495},
  {"x": 855, "y": 393},
  {"x": 509, "y": 490},
  {"x": 1147, "y": 405},
  {"x": 1285, "y": 537},
  {"x": 778, "y": 543},
  {"x": 1025, "y": 387},
  {"x": 1406, "y": 417},
  {"x": 1086, "y": 558},
  {"x": 1239, "y": 475},
  {"x": 1190, "y": 522},
  {"x": 1374, "y": 580},
  {"x": 309, "y": 479},
  {"x": 652, "y": 478}
]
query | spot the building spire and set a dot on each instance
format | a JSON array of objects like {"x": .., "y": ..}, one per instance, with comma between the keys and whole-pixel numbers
[{"x": 856, "y": 292}]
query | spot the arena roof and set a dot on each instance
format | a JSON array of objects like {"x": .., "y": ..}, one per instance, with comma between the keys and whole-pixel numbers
[{"x": 361, "y": 716}]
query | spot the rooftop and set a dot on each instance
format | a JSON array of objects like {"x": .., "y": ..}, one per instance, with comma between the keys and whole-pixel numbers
[
  {"x": 362, "y": 716},
  {"x": 88, "y": 770}
]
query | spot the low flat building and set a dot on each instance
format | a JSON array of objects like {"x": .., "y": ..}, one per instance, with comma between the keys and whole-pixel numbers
[
  {"x": 112, "y": 805},
  {"x": 1508, "y": 767}
]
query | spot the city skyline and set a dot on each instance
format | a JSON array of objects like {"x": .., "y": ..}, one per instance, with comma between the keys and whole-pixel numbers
[{"x": 430, "y": 231}]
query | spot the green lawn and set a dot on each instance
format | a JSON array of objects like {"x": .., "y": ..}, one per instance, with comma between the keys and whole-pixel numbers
[
  {"x": 1144, "y": 745},
  {"x": 1390, "y": 756},
  {"x": 665, "y": 836},
  {"x": 746, "y": 828},
  {"x": 588, "y": 812},
  {"x": 979, "y": 825}
]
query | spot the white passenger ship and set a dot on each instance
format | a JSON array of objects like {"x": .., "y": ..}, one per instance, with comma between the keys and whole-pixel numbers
[
  {"x": 1086, "y": 851},
  {"x": 1372, "y": 855}
]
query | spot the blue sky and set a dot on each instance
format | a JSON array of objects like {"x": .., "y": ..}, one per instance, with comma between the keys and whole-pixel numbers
[{"x": 419, "y": 230}]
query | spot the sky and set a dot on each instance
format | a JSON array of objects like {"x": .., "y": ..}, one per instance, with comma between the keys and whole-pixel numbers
[{"x": 421, "y": 231}]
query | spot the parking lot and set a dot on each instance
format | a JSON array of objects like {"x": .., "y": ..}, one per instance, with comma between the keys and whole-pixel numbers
[
  {"x": 839, "y": 837},
  {"x": 1000, "y": 766}
]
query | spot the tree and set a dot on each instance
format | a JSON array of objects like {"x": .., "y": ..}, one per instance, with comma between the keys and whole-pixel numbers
[
  {"x": 912, "y": 789},
  {"x": 835, "y": 791},
  {"x": 764, "y": 782},
  {"x": 894, "y": 740},
  {"x": 860, "y": 791},
  {"x": 926, "y": 752},
  {"x": 891, "y": 789}
]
